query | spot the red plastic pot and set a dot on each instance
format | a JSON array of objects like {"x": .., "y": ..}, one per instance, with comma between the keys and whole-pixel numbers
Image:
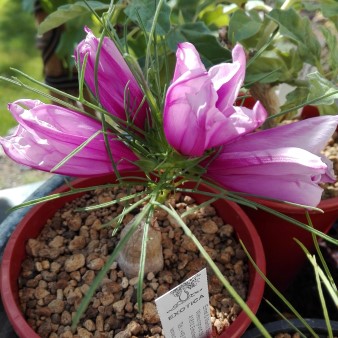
[
  {"x": 36, "y": 218},
  {"x": 284, "y": 257}
]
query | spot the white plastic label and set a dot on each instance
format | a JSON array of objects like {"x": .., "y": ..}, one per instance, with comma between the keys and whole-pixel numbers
[{"x": 184, "y": 310}]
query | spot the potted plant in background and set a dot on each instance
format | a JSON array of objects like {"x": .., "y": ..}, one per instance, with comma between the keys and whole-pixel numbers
[{"x": 170, "y": 128}]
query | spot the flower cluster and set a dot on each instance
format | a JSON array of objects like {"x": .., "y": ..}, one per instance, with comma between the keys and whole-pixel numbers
[{"x": 200, "y": 120}]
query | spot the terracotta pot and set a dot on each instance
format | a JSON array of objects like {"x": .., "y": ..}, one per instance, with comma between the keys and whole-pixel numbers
[
  {"x": 35, "y": 219},
  {"x": 281, "y": 326},
  {"x": 284, "y": 257}
]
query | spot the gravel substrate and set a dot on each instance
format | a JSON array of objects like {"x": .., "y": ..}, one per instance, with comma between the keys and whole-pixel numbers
[{"x": 73, "y": 247}]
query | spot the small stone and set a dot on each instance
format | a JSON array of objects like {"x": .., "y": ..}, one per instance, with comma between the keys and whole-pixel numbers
[
  {"x": 209, "y": 227},
  {"x": 41, "y": 293},
  {"x": 66, "y": 318},
  {"x": 119, "y": 305},
  {"x": 99, "y": 323},
  {"x": 188, "y": 244},
  {"x": 89, "y": 325},
  {"x": 43, "y": 311},
  {"x": 134, "y": 328},
  {"x": 79, "y": 242},
  {"x": 56, "y": 306},
  {"x": 75, "y": 223},
  {"x": 88, "y": 277},
  {"x": 45, "y": 329},
  {"x": 156, "y": 330},
  {"x": 150, "y": 313},
  {"x": 218, "y": 325},
  {"x": 150, "y": 276},
  {"x": 75, "y": 262},
  {"x": 162, "y": 289},
  {"x": 95, "y": 264},
  {"x": 107, "y": 299},
  {"x": 83, "y": 333},
  {"x": 123, "y": 334},
  {"x": 148, "y": 294},
  {"x": 33, "y": 247},
  {"x": 67, "y": 334},
  {"x": 57, "y": 242},
  {"x": 55, "y": 267},
  {"x": 124, "y": 283}
]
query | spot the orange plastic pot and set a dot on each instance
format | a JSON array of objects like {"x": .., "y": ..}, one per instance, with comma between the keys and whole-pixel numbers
[
  {"x": 284, "y": 257},
  {"x": 36, "y": 218}
]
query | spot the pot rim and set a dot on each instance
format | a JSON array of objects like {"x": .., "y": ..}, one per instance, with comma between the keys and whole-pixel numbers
[{"x": 9, "y": 288}]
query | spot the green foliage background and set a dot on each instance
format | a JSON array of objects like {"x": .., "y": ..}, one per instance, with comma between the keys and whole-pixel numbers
[{"x": 17, "y": 50}]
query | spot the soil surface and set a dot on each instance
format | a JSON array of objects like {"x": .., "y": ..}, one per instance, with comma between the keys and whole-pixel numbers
[{"x": 63, "y": 261}]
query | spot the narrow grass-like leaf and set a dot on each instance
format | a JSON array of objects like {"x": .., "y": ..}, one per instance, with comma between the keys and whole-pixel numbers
[
  {"x": 277, "y": 292},
  {"x": 321, "y": 258},
  {"x": 286, "y": 319},
  {"x": 75, "y": 151},
  {"x": 307, "y": 103},
  {"x": 143, "y": 260},
  {"x": 216, "y": 270},
  {"x": 98, "y": 279},
  {"x": 320, "y": 272},
  {"x": 115, "y": 201},
  {"x": 126, "y": 211}
]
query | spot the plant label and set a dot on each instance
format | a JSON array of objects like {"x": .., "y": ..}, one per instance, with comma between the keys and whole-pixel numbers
[{"x": 184, "y": 310}]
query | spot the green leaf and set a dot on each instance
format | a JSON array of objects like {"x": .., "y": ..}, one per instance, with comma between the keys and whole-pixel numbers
[
  {"x": 217, "y": 16},
  {"x": 293, "y": 26},
  {"x": 295, "y": 98},
  {"x": 328, "y": 110},
  {"x": 331, "y": 42},
  {"x": 275, "y": 66},
  {"x": 188, "y": 8},
  {"x": 69, "y": 12},
  {"x": 328, "y": 8},
  {"x": 243, "y": 25},
  {"x": 206, "y": 43},
  {"x": 144, "y": 10},
  {"x": 321, "y": 87}
]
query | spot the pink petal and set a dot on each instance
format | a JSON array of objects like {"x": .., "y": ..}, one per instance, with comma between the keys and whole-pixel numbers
[
  {"x": 293, "y": 188},
  {"x": 187, "y": 59},
  {"x": 115, "y": 79},
  {"x": 198, "y": 111},
  {"x": 228, "y": 78},
  {"x": 47, "y": 134},
  {"x": 283, "y": 163}
]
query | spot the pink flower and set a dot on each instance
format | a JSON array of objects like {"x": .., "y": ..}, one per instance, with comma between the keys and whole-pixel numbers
[
  {"x": 283, "y": 163},
  {"x": 199, "y": 111},
  {"x": 117, "y": 87},
  {"x": 47, "y": 134}
]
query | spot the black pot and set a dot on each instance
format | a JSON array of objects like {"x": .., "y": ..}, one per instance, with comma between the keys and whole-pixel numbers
[{"x": 282, "y": 326}]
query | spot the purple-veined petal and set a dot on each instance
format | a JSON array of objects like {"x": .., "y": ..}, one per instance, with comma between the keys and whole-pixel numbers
[
  {"x": 187, "y": 59},
  {"x": 116, "y": 83},
  {"x": 283, "y": 163},
  {"x": 47, "y": 134},
  {"x": 292, "y": 188},
  {"x": 199, "y": 111},
  {"x": 228, "y": 78}
]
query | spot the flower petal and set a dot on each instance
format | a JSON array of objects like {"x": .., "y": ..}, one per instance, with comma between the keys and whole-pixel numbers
[
  {"x": 115, "y": 79},
  {"x": 228, "y": 78},
  {"x": 47, "y": 134},
  {"x": 187, "y": 59},
  {"x": 193, "y": 121},
  {"x": 283, "y": 163}
]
